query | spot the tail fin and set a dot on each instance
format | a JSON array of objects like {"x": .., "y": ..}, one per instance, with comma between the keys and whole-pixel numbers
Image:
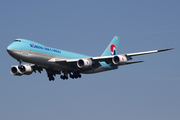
[{"x": 112, "y": 47}]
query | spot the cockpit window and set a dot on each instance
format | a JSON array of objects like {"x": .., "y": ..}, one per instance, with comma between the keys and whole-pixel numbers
[{"x": 17, "y": 41}]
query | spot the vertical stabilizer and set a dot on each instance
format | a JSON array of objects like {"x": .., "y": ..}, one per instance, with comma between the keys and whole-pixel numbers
[{"x": 112, "y": 47}]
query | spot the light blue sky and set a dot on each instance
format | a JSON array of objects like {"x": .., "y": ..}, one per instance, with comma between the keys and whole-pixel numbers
[{"x": 144, "y": 91}]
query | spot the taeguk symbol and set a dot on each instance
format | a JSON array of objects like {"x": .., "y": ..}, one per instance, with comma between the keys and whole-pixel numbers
[{"x": 113, "y": 49}]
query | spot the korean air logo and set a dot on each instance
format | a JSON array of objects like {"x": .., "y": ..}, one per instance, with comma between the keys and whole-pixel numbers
[
  {"x": 113, "y": 49},
  {"x": 32, "y": 45}
]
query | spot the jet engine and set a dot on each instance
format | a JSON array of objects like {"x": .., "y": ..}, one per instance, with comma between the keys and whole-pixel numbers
[
  {"x": 21, "y": 70},
  {"x": 15, "y": 71},
  {"x": 84, "y": 63},
  {"x": 119, "y": 59}
]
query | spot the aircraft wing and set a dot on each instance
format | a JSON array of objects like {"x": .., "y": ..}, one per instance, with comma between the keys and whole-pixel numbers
[
  {"x": 73, "y": 62},
  {"x": 94, "y": 59},
  {"x": 148, "y": 52},
  {"x": 108, "y": 59}
]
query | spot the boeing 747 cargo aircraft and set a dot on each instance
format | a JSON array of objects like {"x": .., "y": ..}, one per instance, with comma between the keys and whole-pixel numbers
[{"x": 56, "y": 61}]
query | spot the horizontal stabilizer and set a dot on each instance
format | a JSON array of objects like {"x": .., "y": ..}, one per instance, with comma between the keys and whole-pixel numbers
[{"x": 132, "y": 62}]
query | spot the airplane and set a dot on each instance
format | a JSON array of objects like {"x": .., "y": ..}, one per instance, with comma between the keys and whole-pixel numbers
[{"x": 64, "y": 63}]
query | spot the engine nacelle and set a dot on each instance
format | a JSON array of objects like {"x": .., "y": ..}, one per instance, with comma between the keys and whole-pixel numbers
[
  {"x": 15, "y": 71},
  {"x": 119, "y": 59},
  {"x": 25, "y": 69},
  {"x": 21, "y": 70},
  {"x": 84, "y": 63}
]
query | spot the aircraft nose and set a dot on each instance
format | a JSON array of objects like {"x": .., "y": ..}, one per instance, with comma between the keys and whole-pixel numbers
[{"x": 9, "y": 50}]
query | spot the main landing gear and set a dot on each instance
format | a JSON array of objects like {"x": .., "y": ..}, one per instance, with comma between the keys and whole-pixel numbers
[
  {"x": 51, "y": 74},
  {"x": 51, "y": 77},
  {"x": 75, "y": 74},
  {"x": 64, "y": 76}
]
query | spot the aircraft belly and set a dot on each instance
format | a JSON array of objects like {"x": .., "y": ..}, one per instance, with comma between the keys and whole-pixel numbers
[{"x": 42, "y": 60}]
